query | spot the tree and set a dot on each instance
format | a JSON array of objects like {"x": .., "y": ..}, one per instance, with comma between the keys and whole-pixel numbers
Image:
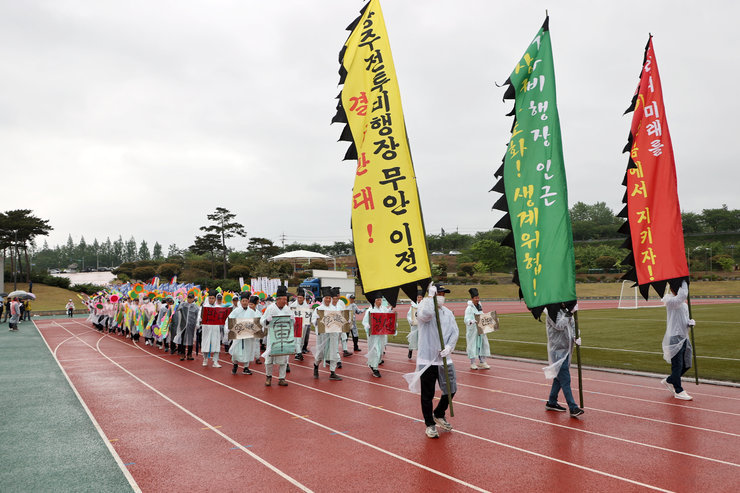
[
  {"x": 262, "y": 248},
  {"x": 173, "y": 251},
  {"x": 129, "y": 250},
  {"x": 721, "y": 219},
  {"x": 492, "y": 255},
  {"x": 593, "y": 221},
  {"x": 207, "y": 244},
  {"x": 144, "y": 251},
  {"x": 692, "y": 222},
  {"x": 225, "y": 228},
  {"x": 21, "y": 227},
  {"x": 118, "y": 251},
  {"x": 157, "y": 251}
]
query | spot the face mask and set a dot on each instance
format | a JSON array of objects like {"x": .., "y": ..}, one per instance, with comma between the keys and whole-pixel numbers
[{"x": 440, "y": 300}]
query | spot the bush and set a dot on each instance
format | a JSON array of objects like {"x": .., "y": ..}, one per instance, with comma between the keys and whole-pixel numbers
[
  {"x": 467, "y": 268},
  {"x": 168, "y": 270},
  {"x": 124, "y": 277},
  {"x": 238, "y": 271},
  {"x": 86, "y": 288},
  {"x": 60, "y": 282},
  {"x": 144, "y": 273}
]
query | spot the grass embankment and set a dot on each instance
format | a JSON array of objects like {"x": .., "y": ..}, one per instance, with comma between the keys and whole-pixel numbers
[
  {"x": 51, "y": 298},
  {"x": 717, "y": 335}
]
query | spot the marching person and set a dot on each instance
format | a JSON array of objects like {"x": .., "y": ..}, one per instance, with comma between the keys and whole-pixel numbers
[
  {"x": 338, "y": 305},
  {"x": 354, "y": 310},
  {"x": 210, "y": 342},
  {"x": 560, "y": 339},
  {"x": 477, "y": 344},
  {"x": 677, "y": 348},
  {"x": 244, "y": 350},
  {"x": 375, "y": 343},
  {"x": 164, "y": 310},
  {"x": 413, "y": 336},
  {"x": 429, "y": 359},
  {"x": 279, "y": 308},
  {"x": 186, "y": 320},
  {"x": 327, "y": 344},
  {"x": 301, "y": 308}
]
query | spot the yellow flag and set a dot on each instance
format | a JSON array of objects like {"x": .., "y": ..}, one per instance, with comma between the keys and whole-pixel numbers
[{"x": 387, "y": 225}]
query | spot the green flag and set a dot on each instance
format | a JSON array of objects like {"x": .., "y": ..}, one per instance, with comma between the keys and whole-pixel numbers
[{"x": 532, "y": 179}]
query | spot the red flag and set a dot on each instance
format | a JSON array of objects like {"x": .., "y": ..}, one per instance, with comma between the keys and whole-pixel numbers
[{"x": 653, "y": 212}]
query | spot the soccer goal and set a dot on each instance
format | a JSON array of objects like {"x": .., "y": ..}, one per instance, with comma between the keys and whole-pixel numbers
[{"x": 628, "y": 296}]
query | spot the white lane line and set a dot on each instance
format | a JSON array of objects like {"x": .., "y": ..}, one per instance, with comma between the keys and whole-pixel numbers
[
  {"x": 337, "y": 432},
  {"x": 535, "y": 420},
  {"x": 505, "y": 445},
  {"x": 616, "y": 396},
  {"x": 197, "y": 418},
  {"x": 54, "y": 352},
  {"x": 106, "y": 441}
]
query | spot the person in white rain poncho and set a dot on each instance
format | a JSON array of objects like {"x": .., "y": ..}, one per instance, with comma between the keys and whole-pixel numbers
[
  {"x": 429, "y": 365},
  {"x": 279, "y": 308},
  {"x": 339, "y": 305},
  {"x": 327, "y": 344},
  {"x": 354, "y": 310},
  {"x": 210, "y": 341},
  {"x": 477, "y": 344},
  {"x": 677, "y": 348},
  {"x": 413, "y": 336},
  {"x": 560, "y": 339},
  {"x": 301, "y": 309},
  {"x": 375, "y": 343},
  {"x": 245, "y": 350}
]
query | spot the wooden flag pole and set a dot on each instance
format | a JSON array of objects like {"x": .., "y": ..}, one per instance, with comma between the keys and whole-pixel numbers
[
  {"x": 444, "y": 359},
  {"x": 578, "y": 360},
  {"x": 693, "y": 345}
]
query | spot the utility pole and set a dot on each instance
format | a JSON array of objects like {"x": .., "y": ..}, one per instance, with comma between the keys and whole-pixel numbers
[{"x": 282, "y": 237}]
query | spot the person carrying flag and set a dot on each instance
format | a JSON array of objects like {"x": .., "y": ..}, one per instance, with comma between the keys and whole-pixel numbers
[
  {"x": 560, "y": 339},
  {"x": 677, "y": 348}
]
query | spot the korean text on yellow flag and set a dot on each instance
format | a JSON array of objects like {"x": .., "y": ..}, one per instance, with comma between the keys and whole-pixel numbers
[{"x": 387, "y": 226}]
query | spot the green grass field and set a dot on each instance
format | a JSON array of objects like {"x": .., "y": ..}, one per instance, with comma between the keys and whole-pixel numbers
[{"x": 717, "y": 335}]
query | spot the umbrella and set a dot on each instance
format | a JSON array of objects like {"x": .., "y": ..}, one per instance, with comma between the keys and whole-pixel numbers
[
  {"x": 3, "y": 295},
  {"x": 28, "y": 296},
  {"x": 17, "y": 294}
]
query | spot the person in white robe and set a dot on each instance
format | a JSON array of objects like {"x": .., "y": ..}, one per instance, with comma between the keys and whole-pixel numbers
[
  {"x": 279, "y": 308},
  {"x": 477, "y": 344},
  {"x": 413, "y": 336},
  {"x": 245, "y": 351},
  {"x": 677, "y": 348},
  {"x": 375, "y": 343},
  {"x": 354, "y": 310},
  {"x": 210, "y": 342},
  {"x": 327, "y": 344},
  {"x": 302, "y": 309}
]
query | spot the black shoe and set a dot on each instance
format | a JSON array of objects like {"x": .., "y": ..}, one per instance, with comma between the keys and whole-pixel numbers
[
  {"x": 316, "y": 371},
  {"x": 339, "y": 364},
  {"x": 287, "y": 369},
  {"x": 182, "y": 358},
  {"x": 305, "y": 351},
  {"x": 258, "y": 362},
  {"x": 575, "y": 412},
  {"x": 233, "y": 370},
  {"x": 299, "y": 357},
  {"x": 357, "y": 350},
  {"x": 247, "y": 371},
  {"x": 381, "y": 362},
  {"x": 334, "y": 376},
  {"x": 190, "y": 358},
  {"x": 346, "y": 353},
  {"x": 410, "y": 351},
  {"x": 376, "y": 373},
  {"x": 554, "y": 407}
]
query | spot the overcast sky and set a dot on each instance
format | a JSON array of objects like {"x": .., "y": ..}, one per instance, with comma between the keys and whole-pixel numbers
[{"x": 141, "y": 117}]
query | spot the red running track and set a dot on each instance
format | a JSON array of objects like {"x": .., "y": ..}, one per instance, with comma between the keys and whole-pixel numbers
[{"x": 178, "y": 425}]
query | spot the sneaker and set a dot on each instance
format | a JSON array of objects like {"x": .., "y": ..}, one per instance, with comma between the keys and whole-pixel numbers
[
  {"x": 182, "y": 358},
  {"x": 233, "y": 370},
  {"x": 410, "y": 353},
  {"x": 575, "y": 412},
  {"x": 668, "y": 386},
  {"x": 346, "y": 353},
  {"x": 247, "y": 371},
  {"x": 299, "y": 357},
  {"x": 376, "y": 373},
  {"x": 190, "y": 358},
  {"x": 205, "y": 362},
  {"x": 682, "y": 395},
  {"x": 258, "y": 361},
  {"x": 554, "y": 407},
  {"x": 381, "y": 362},
  {"x": 304, "y": 351},
  {"x": 268, "y": 381},
  {"x": 339, "y": 365},
  {"x": 443, "y": 423},
  {"x": 282, "y": 382},
  {"x": 316, "y": 371},
  {"x": 287, "y": 368},
  {"x": 334, "y": 376},
  {"x": 483, "y": 366},
  {"x": 473, "y": 366},
  {"x": 216, "y": 365},
  {"x": 431, "y": 432}
]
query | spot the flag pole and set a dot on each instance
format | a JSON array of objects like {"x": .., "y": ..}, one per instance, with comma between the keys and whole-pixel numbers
[
  {"x": 444, "y": 358},
  {"x": 693, "y": 345},
  {"x": 578, "y": 360}
]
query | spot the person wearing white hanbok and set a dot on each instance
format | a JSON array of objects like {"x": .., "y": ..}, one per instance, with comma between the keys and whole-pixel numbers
[
  {"x": 413, "y": 336},
  {"x": 327, "y": 344},
  {"x": 210, "y": 342},
  {"x": 354, "y": 310},
  {"x": 375, "y": 343},
  {"x": 301, "y": 309},
  {"x": 245, "y": 350},
  {"x": 677, "y": 348},
  {"x": 560, "y": 340},
  {"x": 279, "y": 308},
  {"x": 477, "y": 344}
]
